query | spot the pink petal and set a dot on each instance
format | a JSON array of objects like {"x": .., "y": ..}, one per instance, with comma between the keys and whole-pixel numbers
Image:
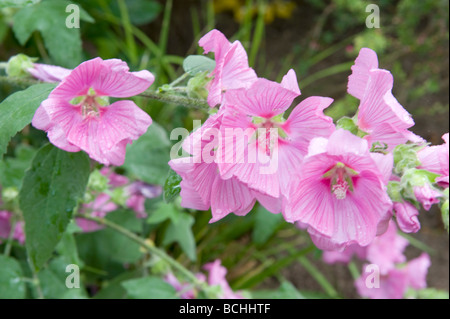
[
  {"x": 215, "y": 41},
  {"x": 417, "y": 271},
  {"x": 264, "y": 99},
  {"x": 48, "y": 73},
  {"x": 385, "y": 164},
  {"x": 357, "y": 81},
  {"x": 307, "y": 121},
  {"x": 379, "y": 106},
  {"x": 105, "y": 137},
  {"x": 290, "y": 82},
  {"x": 342, "y": 142}
]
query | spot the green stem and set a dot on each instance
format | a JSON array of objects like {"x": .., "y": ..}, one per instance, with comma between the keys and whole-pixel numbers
[
  {"x": 179, "y": 80},
  {"x": 343, "y": 67},
  {"x": 151, "y": 249},
  {"x": 3, "y": 65},
  {"x": 353, "y": 270},
  {"x": 128, "y": 28},
  {"x": 9, "y": 241},
  {"x": 319, "y": 277}
]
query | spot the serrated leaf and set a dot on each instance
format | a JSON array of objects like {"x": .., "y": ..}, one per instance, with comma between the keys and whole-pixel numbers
[
  {"x": 181, "y": 232},
  {"x": 172, "y": 186},
  {"x": 266, "y": 224},
  {"x": 11, "y": 284},
  {"x": 51, "y": 189},
  {"x": 18, "y": 110},
  {"x": 49, "y": 18},
  {"x": 149, "y": 288},
  {"x": 147, "y": 158},
  {"x": 194, "y": 64}
]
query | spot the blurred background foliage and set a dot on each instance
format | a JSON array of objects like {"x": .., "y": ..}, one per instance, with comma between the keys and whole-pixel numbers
[{"x": 319, "y": 39}]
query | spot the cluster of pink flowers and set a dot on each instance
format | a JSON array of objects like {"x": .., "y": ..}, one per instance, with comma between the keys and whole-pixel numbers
[
  {"x": 330, "y": 181},
  {"x": 395, "y": 274},
  {"x": 216, "y": 277},
  {"x": 135, "y": 193}
]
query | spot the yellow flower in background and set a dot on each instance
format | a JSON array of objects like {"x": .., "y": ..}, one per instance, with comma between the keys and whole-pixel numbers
[{"x": 273, "y": 9}]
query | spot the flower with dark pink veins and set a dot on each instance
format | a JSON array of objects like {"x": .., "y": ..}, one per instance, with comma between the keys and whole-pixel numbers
[
  {"x": 202, "y": 186},
  {"x": 261, "y": 148},
  {"x": 339, "y": 192},
  {"x": 77, "y": 114},
  {"x": 380, "y": 116}
]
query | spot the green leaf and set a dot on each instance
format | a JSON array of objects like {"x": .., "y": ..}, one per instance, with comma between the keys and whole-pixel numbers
[
  {"x": 18, "y": 110},
  {"x": 17, "y": 3},
  {"x": 348, "y": 124},
  {"x": 181, "y": 232},
  {"x": 147, "y": 158},
  {"x": 53, "y": 281},
  {"x": 285, "y": 291},
  {"x": 50, "y": 190},
  {"x": 149, "y": 288},
  {"x": 11, "y": 284},
  {"x": 266, "y": 225},
  {"x": 12, "y": 169},
  {"x": 194, "y": 64},
  {"x": 163, "y": 212},
  {"x": 49, "y": 17},
  {"x": 172, "y": 186}
]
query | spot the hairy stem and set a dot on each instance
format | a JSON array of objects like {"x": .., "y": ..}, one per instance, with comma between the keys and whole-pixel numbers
[{"x": 154, "y": 95}]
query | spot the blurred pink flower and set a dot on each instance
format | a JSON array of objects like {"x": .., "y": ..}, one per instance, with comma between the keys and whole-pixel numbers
[
  {"x": 216, "y": 276},
  {"x": 100, "y": 207},
  {"x": 77, "y": 114},
  {"x": 5, "y": 227},
  {"x": 394, "y": 284},
  {"x": 339, "y": 191}
]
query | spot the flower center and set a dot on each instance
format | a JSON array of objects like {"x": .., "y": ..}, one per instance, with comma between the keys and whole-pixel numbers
[
  {"x": 341, "y": 180},
  {"x": 91, "y": 103},
  {"x": 268, "y": 131}
]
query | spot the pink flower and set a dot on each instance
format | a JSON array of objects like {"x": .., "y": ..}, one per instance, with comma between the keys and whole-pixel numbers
[
  {"x": 259, "y": 147},
  {"x": 48, "y": 73},
  {"x": 340, "y": 192},
  {"x": 406, "y": 216},
  {"x": 426, "y": 195},
  {"x": 387, "y": 249},
  {"x": 395, "y": 283},
  {"x": 231, "y": 71},
  {"x": 216, "y": 276},
  {"x": 77, "y": 115},
  {"x": 5, "y": 228},
  {"x": 379, "y": 113},
  {"x": 186, "y": 290},
  {"x": 137, "y": 193},
  {"x": 202, "y": 187},
  {"x": 436, "y": 159}
]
